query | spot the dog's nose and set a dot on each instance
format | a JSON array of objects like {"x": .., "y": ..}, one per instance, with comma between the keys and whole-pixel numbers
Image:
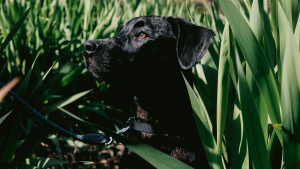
[{"x": 89, "y": 46}]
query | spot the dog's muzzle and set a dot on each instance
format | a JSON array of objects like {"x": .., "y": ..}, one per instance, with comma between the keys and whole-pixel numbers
[{"x": 98, "y": 57}]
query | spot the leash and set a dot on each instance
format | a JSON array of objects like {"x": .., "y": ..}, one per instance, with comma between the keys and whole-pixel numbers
[{"x": 96, "y": 138}]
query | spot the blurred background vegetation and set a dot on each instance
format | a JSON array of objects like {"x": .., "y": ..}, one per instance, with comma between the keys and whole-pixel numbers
[
  {"x": 247, "y": 84},
  {"x": 46, "y": 52}
]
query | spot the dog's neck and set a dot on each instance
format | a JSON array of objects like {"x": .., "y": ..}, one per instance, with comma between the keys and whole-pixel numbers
[{"x": 166, "y": 100}]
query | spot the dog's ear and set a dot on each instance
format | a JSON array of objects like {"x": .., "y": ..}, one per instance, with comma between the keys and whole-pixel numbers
[{"x": 192, "y": 41}]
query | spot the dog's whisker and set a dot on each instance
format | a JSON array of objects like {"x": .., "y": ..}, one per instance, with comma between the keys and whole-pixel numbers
[{"x": 116, "y": 59}]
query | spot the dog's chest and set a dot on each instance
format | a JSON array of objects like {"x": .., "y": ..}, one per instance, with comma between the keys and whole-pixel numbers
[{"x": 161, "y": 138}]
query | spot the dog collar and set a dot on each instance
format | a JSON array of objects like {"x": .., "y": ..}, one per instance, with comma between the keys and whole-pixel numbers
[{"x": 133, "y": 124}]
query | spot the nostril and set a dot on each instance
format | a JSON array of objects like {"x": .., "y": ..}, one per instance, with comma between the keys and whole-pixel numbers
[{"x": 89, "y": 46}]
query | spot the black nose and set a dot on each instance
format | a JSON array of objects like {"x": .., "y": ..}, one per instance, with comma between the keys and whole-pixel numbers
[{"x": 89, "y": 46}]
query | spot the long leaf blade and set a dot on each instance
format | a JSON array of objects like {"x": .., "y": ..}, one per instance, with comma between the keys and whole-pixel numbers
[
  {"x": 256, "y": 142},
  {"x": 262, "y": 72},
  {"x": 290, "y": 93},
  {"x": 202, "y": 122},
  {"x": 157, "y": 158},
  {"x": 14, "y": 30},
  {"x": 223, "y": 85}
]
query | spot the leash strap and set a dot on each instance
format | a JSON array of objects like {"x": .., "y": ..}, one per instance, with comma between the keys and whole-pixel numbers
[{"x": 96, "y": 138}]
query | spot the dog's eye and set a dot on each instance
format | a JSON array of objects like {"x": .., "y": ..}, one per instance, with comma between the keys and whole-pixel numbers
[{"x": 143, "y": 35}]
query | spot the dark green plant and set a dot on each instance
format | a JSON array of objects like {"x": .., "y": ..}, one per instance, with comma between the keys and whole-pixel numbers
[{"x": 247, "y": 82}]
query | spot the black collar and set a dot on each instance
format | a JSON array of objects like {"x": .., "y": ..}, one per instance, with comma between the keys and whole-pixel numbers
[{"x": 133, "y": 124}]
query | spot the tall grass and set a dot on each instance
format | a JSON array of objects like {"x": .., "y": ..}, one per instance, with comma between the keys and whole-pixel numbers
[{"x": 247, "y": 83}]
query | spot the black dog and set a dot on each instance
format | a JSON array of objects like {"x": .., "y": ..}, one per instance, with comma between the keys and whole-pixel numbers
[{"x": 146, "y": 58}]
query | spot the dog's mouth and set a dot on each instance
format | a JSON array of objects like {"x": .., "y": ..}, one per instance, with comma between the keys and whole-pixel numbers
[
  {"x": 94, "y": 69},
  {"x": 102, "y": 66}
]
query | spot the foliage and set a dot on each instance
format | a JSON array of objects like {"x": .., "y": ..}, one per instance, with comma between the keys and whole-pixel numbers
[{"x": 248, "y": 81}]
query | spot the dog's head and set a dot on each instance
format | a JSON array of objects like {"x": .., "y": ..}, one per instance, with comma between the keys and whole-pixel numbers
[{"x": 146, "y": 44}]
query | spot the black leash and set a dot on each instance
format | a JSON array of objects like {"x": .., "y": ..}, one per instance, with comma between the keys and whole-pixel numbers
[{"x": 96, "y": 138}]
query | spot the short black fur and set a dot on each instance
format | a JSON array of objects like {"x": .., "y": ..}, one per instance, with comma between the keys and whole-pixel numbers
[{"x": 151, "y": 68}]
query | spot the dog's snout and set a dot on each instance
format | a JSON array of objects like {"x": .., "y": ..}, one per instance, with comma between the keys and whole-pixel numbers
[{"x": 89, "y": 46}]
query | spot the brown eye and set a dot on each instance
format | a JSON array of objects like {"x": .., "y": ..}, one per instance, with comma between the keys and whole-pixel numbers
[{"x": 142, "y": 35}]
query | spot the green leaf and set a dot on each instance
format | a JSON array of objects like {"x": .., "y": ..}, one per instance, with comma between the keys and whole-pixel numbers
[
  {"x": 19, "y": 165},
  {"x": 2, "y": 69},
  {"x": 75, "y": 117},
  {"x": 66, "y": 101},
  {"x": 275, "y": 28},
  {"x": 55, "y": 141},
  {"x": 255, "y": 137},
  {"x": 10, "y": 133},
  {"x": 240, "y": 150},
  {"x": 255, "y": 22},
  {"x": 214, "y": 21},
  {"x": 4, "y": 117},
  {"x": 71, "y": 76},
  {"x": 290, "y": 93},
  {"x": 84, "y": 162},
  {"x": 256, "y": 19},
  {"x": 87, "y": 10},
  {"x": 32, "y": 141},
  {"x": 94, "y": 109},
  {"x": 211, "y": 75},
  {"x": 41, "y": 80},
  {"x": 267, "y": 33},
  {"x": 157, "y": 158},
  {"x": 52, "y": 83},
  {"x": 293, "y": 50},
  {"x": 201, "y": 87},
  {"x": 14, "y": 30},
  {"x": 43, "y": 162},
  {"x": 275, "y": 151},
  {"x": 274, "y": 20},
  {"x": 24, "y": 85},
  {"x": 223, "y": 85},
  {"x": 205, "y": 131},
  {"x": 261, "y": 70},
  {"x": 295, "y": 12},
  {"x": 297, "y": 33},
  {"x": 287, "y": 8},
  {"x": 248, "y": 3},
  {"x": 232, "y": 63}
]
